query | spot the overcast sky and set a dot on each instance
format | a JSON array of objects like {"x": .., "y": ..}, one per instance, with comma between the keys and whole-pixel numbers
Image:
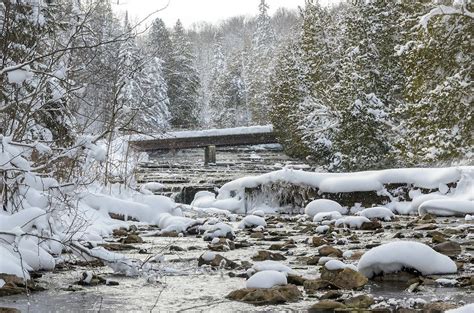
[{"x": 191, "y": 11}]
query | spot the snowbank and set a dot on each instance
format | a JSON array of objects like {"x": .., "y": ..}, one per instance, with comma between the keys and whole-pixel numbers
[
  {"x": 447, "y": 207},
  {"x": 323, "y": 206},
  {"x": 251, "y": 221},
  {"x": 394, "y": 256},
  {"x": 266, "y": 279}
]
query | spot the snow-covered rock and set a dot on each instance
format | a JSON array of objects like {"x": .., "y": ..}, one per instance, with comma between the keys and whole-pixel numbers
[
  {"x": 333, "y": 265},
  {"x": 352, "y": 221},
  {"x": 218, "y": 230},
  {"x": 323, "y": 205},
  {"x": 266, "y": 279},
  {"x": 251, "y": 221},
  {"x": 377, "y": 212},
  {"x": 393, "y": 256},
  {"x": 468, "y": 308},
  {"x": 270, "y": 265},
  {"x": 327, "y": 216},
  {"x": 447, "y": 207}
]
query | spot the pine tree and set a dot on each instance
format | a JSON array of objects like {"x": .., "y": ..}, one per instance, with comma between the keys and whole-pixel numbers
[
  {"x": 261, "y": 66},
  {"x": 437, "y": 62},
  {"x": 183, "y": 83}
]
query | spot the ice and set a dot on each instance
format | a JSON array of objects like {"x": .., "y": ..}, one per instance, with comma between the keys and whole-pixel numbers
[
  {"x": 323, "y": 206},
  {"x": 394, "y": 256},
  {"x": 266, "y": 279}
]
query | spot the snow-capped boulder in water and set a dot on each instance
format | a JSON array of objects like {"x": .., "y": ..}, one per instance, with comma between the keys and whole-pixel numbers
[
  {"x": 447, "y": 207},
  {"x": 380, "y": 213},
  {"x": 270, "y": 265},
  {"x": 323, "y": 205},
  {"x": 251, "y": 221},
  {"x": 326, "y": 216},
  {"x": 218, "y": 230},
  {"x": 352, "y": 221},
  {"x": 266, "y": 279},
  {"x": 394, "y": 256}
]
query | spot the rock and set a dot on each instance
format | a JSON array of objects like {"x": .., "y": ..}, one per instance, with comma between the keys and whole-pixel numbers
[
  {"x": 111, "y": 283},
  {"x": 438, "y": 307},
  {"x": 326, "y": 306},
  {"x": 449, "y": 248},
  {"x": 117, "y": 246},
  {"x": 318, "y": 241},
  {"x": 89, "y": 279},
  {"x": 267, "y": 255},
  {"x": 401, "y": 276},
  {"x": 331, "y": 294},
  {"x": 223, "y": 244},
  {"x": 176, "y": 248},
  {"x": 360, "y": 302},
  {"x": 313, "y": 260},
  {"x": 133, "y": 238},
  {"x": 121, "y": 232},
  {"x": 13, "y": 285},
  {"x": 313, "y": 285},
  {"x": 329, "y": 251},
  {"x": 257, "y": 235},
  {"x": 9, "y": 310},
  {"x": 169, "y": 234},
  {"x": 216, "y": 260},
  {"x": 345, "y": 278},
  {"x": 295, "y": 279},
  {"x": 275, "y": 295},
  {"x": 426, "y": 227},
  {"x": 372, "y": 225}
]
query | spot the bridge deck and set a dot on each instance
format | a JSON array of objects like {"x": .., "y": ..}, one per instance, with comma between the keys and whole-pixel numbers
[{"x": 240, "y": 136}]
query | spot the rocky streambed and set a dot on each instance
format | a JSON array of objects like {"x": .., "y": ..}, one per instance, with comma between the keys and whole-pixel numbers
[{"x": 200, "y": 275}]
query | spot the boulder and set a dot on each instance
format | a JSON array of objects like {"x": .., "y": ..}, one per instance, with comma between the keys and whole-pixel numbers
[
  {"x": 324, "y": 306},
  {"x": 359, "y": 302},
  {"x": 318, "y": 241},
  {"x": 263, "y": 255},
  {"x": 329, "y": 251},
  {"x": 345, "y": 278},
  {"x": 313, "y": 285},
  {"x": 133, "y": 238},
  {"x": 266, "y": 296},
  {"x": 216, "y": 260},
  {"x": 449, "y": 248}
]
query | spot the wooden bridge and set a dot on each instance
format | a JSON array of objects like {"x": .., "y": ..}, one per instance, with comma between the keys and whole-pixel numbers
[{"x": 208, "y": 139}]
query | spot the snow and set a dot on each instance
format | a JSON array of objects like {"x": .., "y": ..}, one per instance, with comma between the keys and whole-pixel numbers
[
  {"x": 393, "y": 256},
  {"x": 322, "y": 229},
  {"x": 468, "y": 308},
  {"x": 333, "y": 265},
  {"x": 214, "y": 132},
  {"x": 251, "y": 221},
  {"x": 208, "y": 256},
  {"x": 18, "y": 76},
  {"x": 270, "y": 265},
  {"x": 428, "y": 178},
  {"x": 377, "y": 212},
  {"x": 446, "y": 282},
  {"x": 218, "y": 230},
  {"x": 266, "y": 279},
  {"x": 447, "y": 207},
  {"x": 2, "y": 283},
  {"x": 322, "y": 206},
  {"x": 352, "y": 221},
  {"x": 443, "y": 10},
  {"x": 322, "y": 216}
]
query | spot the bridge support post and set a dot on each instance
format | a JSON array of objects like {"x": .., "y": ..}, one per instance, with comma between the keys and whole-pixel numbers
[{"x": 210, "y": 155}]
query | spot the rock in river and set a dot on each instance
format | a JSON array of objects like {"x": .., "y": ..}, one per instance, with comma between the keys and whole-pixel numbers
[{"x": 266, "y": 296}]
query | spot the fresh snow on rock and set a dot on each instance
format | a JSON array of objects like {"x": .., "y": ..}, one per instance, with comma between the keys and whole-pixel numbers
[
  {"x": 333, "y": 265},
  {"x": 468, "y": 308},
  {"x": 327, "y": 216},
  {"x": 251, "y": 221},
  {"x": 266, "y": 279},
  {"x": 392, "y": 257},
  {"x": 270, "y": 265},
  {"x": 377, "y": 212},
  {"x": 323, "y": 206},
  {"x": 447, "y": 207},
  {"x": 352, "y": 221}
]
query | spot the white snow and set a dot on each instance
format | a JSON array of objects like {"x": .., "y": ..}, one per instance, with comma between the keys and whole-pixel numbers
[
  {"x": 393, "y": 256},
  {"x": 377, "y": 212},
  {"x": 446, "y": 282},
  {"x": 468, "y": 308},
  {"x": 323, "y": 206},
  {"x": 208, "y": 256},
  {"x": 447, "y": 207},
  {"x": 333, "y": 265},
  {"x": 352, "y": 221},
  {"x": 251, "y": 221},
  {"x": 18, "y": 76},
  {"x": 329, "y": 216},
  {"x": 266, "y": 279},
  {"x": 213, "y": 132},
  {"x": 218, "y": 230},
  {"x": 270, "y": 265},
  {"x": 2, "y": 283},
  {"x": 322, "y": 229}
]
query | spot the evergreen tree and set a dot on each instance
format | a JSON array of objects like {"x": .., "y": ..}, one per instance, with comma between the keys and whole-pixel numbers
[
  {"x": 183, "y": 83},
  {"x": 437, "y": 61}
]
